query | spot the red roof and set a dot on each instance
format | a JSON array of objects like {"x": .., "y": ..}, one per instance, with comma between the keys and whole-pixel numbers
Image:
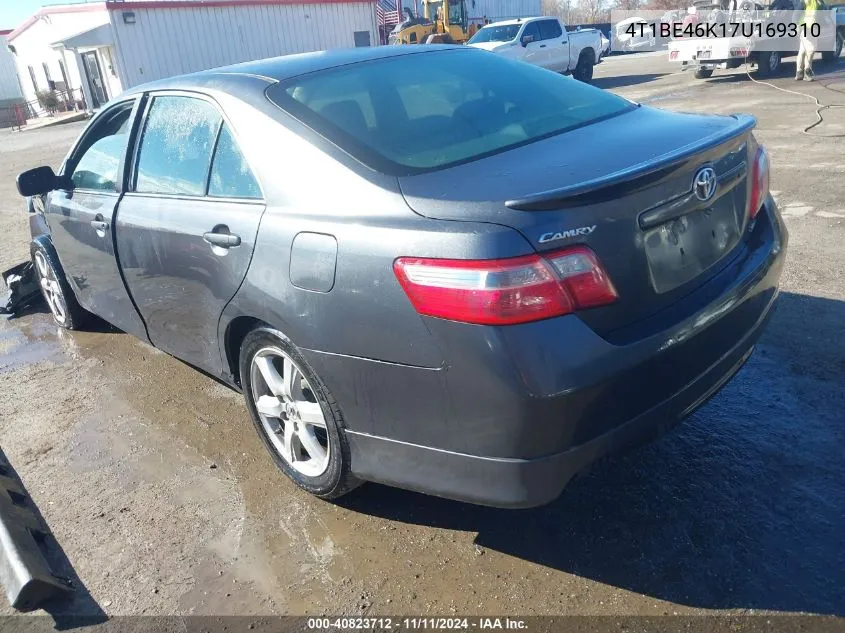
[{"x": 129, "y": 5}]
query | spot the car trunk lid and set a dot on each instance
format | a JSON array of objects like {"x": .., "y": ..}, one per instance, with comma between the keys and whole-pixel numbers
[{"x": 624, "y": 187}]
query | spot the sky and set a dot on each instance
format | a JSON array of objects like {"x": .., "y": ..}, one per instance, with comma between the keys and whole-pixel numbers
[{"x": 13, "y": 12}]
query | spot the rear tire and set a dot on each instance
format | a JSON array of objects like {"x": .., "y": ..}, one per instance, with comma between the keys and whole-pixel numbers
[
  {"x": 768, "y": 64},
  {"x": 57, "y": 293},
  {"x": 703, "y": 73},
  {"x": 274, "y": 374},
  {"x": 584, "y": 69}
]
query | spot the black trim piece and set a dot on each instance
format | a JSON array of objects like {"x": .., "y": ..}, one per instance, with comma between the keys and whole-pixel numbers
[
  {"x": 687, "y": 202},
  {"x": 213, "y": 156}
]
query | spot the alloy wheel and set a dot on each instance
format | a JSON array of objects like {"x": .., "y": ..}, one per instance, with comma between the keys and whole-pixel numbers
[
  {"x": 774, "y": 61},
  {"x": 50, "y": 288},
  {"x": 290, "y": 415}
]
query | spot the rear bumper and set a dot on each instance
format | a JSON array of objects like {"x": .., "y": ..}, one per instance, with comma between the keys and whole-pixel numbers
[
  {"x": 525, "y": 483},
  {"x": 516, "y": 412}
]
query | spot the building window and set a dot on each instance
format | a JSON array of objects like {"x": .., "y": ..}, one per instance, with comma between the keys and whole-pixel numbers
[{"x": 32, "y": 77}]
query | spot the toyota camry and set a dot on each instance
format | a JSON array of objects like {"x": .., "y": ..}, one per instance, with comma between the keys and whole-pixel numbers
[{"x": 420, "y": 265}]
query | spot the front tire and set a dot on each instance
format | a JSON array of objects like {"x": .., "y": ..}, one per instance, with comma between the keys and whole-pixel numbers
[
  {"x": 296, "y": 417},
  {"x": 64, "y": 308}
]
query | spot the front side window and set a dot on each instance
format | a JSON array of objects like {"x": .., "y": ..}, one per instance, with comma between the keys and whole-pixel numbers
[
  {"x": 550, "y": 29},
  {"x": 532, "y": 29},
  {"x": 231, "y": 176},
  {"x": 176, "y": 146},
  {"x": 98, "y": 166},
  {"x": 414, "y": 113}
]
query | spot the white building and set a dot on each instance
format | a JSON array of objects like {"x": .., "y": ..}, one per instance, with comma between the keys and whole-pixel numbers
[
  {"x": 97, "y": 50},
  {"x": 10, "y": 85},
  {"x": 11, "y": 96}
]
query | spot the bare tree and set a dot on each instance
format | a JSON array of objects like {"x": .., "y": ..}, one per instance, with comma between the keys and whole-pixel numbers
[
  {"x": 594, "y": 11},
  {"x": 629, "y": 5},
  {"x": 668, "y": 5},
  {"x": 564, "y": 9}
]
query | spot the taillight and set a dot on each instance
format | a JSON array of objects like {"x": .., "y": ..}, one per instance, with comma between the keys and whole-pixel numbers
[
  {"x": 759, "y": 182},
  {"x": 505, "y": 291}
]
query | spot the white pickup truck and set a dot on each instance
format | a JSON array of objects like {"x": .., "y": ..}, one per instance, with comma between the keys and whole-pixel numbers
[
  {"x": 543, "y": 42},
  {"x": 705, "y": 55}
]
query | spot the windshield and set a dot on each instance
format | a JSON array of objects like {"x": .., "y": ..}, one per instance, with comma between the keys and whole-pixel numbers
[
  {"x": 504, "y": 33},
  {"x": 424, "y": 111}
]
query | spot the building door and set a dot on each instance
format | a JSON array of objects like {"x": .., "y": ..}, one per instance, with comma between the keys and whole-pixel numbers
[{"x": 95, "y": 79}]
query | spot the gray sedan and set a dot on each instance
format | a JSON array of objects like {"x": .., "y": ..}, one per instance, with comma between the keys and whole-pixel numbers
[{"x": 420, "y": 265}]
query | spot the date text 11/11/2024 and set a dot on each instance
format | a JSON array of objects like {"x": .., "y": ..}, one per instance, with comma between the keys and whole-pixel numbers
[
  {"x": 724, "y": 29},
  {"x": 416, "y": 623}
]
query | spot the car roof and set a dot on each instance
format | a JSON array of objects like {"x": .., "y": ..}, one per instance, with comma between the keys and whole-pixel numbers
[
  {"x": 276, "y": 69},
  {"x": 517, "y": 21}
]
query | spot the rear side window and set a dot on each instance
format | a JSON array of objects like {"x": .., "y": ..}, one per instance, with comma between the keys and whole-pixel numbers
[
  {"x": 231, "y": 176},
  {"x": 424, "y": 111},
  {"x": 550, "y": 29},
  {"x": 176, "y": 146}
]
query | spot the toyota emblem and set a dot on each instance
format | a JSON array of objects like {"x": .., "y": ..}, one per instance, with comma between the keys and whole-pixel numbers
[{"x": 704, "y": 183}]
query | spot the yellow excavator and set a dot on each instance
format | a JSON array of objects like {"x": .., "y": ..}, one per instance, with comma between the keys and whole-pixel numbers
[{"x": 443, "y": 22}]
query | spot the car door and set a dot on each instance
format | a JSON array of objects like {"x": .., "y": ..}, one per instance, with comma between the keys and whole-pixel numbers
[
  {"x": 557, "y": 55},
  {"x": 186, "y": 228},
  {"x": 534, "y": 52},
  {"x": 81, "y": 217}
]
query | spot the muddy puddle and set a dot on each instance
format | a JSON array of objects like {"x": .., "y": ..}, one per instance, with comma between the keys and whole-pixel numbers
[{"x": 157, "y": 486}]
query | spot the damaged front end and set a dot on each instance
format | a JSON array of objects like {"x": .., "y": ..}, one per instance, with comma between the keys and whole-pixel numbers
[{"x": 22, "y": 287}]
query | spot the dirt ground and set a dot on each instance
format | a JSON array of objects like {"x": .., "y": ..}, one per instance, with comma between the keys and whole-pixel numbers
[{"x": 164, "y": 501}]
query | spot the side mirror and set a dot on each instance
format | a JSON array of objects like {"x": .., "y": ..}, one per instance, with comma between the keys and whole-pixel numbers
[
  {"x": 526, "y": 40},
  {"x": 38, "y": 181}
]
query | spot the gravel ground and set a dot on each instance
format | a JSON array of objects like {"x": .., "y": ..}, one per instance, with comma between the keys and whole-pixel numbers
[{"x": 164, "y": 501}]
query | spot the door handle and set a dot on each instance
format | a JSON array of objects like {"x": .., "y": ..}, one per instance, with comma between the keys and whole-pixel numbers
[
  {"x": 542, "y": 46},
  {"x": 222, "y": 239},
  {"x": 100, "y": 225}
]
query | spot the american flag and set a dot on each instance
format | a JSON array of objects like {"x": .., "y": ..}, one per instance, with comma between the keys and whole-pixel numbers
[{"x": 388, "y": 14}]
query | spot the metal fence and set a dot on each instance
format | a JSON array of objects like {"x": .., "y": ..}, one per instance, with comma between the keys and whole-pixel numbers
[{"x": 50, "y": 104}]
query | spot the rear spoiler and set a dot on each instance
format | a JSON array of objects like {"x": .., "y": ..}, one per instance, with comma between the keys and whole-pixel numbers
[{"x": 551, "y": 199}]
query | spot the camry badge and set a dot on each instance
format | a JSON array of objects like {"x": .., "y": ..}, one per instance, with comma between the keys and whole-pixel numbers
[{"x": 562, "y": 235}]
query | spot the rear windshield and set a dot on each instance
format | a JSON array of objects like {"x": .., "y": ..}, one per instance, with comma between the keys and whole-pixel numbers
[{"x": 424, "y": 111}]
